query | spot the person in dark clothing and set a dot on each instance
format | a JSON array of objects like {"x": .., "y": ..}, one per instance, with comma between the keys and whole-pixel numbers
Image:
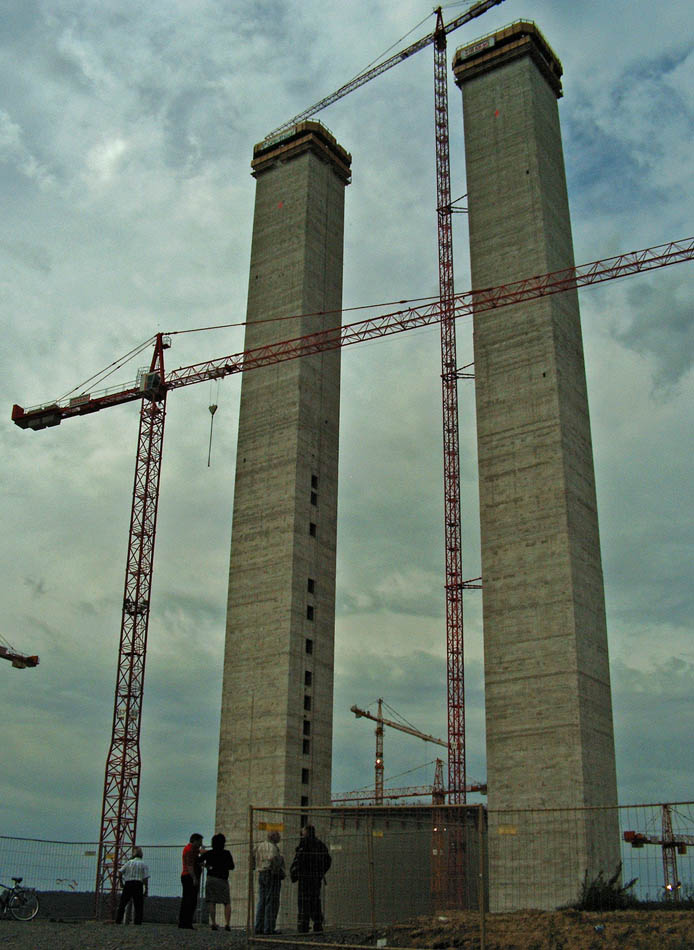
[
  {"x": 218, "y": 862},
  {"x": 190, "y": 881},
  {"x": 310, "y": 865}
]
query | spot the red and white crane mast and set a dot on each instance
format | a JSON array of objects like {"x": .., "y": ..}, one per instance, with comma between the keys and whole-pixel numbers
[
  {"x": 123, "y": 764},
  {"x": 451, "y": 450}
]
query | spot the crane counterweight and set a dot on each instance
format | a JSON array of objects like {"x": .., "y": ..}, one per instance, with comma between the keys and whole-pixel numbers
[{"x": 20, "y": 661}]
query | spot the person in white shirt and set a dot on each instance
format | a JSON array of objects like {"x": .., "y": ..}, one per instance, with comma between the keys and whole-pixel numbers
[
  {"x": 134, "y": 877},
  {"x": 270, "y": 866}
]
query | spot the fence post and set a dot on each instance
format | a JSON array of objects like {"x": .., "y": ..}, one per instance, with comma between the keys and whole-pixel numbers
[
  {"x": 370, "y": 859},
  {"x": 249, "y": 908},
  {"x": 481, "y": 886}
]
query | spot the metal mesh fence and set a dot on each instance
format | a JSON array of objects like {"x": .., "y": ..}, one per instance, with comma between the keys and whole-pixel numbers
[
  {"x": 391, "y": 864},
  {"x": 548, "y": 859},
  {"x": 388, "y": 864}
]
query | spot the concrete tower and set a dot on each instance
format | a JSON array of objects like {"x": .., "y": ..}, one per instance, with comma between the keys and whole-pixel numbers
[
  {"x": 276, "y": 721},
  {"x": 550, "y": 740}
]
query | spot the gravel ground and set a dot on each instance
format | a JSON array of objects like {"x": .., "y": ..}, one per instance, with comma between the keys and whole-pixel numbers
[
  {"x": 94, "y": 935},
  {"x": 533, "y": 930}
]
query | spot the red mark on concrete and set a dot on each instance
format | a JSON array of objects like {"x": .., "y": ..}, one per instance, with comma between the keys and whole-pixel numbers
[
  {"x": 281, "y": 204},
  {"x": 496, "y": 113}
]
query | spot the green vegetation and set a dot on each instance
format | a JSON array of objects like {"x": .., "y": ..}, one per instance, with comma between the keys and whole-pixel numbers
[{"x": 610, "y": 894}]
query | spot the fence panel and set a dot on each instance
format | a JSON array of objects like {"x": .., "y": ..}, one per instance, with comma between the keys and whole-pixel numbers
[
  {"x": 390, "y": 864},
  {"x": 545, "y": 859}
]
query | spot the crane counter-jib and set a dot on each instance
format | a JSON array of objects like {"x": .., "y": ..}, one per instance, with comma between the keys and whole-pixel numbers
[{"x": 52, "y": 414}]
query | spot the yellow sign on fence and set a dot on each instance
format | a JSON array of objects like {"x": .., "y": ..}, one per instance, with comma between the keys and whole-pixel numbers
[
  {"x": 507, "y": 830},
  {"x": 270, "y": 826}
]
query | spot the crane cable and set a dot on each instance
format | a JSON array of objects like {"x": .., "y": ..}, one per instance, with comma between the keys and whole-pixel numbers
[
  {"x": 111, "y": 367},
  {"x": 385, "y": 52}
]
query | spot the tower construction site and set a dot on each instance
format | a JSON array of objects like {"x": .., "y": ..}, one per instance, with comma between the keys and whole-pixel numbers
[{"x": 533, "y": 429}]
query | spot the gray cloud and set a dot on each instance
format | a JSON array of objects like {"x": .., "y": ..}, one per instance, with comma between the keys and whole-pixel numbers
[
  {"x": 30, "y": 255},
  {"x": 659, "y": 703},
  {"x": 662, "y": 327}
]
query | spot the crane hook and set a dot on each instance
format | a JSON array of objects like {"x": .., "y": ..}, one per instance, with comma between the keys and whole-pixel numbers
[{"x": 213, "y": 409}]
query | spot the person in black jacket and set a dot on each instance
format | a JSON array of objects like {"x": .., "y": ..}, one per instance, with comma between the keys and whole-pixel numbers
[
  {"x": 310, "y": 864},
  {"x": 218, "y": 862}
]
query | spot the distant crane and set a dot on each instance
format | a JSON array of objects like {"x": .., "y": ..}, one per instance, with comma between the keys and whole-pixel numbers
[
  {"x": 380, "y": 723},
  {"x": 671, "y": 844},
  {"x": 436, "y": 791},
  {"x": 20, "y": 661}
]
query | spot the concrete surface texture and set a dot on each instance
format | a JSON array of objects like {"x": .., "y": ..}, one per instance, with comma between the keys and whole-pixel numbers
[
  {"x": 548, "y": 702},
  {"x": 276, "y": 719}
]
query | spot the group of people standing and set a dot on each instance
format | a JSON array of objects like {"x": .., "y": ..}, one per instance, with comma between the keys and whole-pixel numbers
[
  {"x": 309, "y": 866},
  {"x": 218, "y": 862}
]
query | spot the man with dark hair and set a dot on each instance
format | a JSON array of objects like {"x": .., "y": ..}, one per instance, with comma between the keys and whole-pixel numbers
[
  {"x": 133, "y": 876},
  {"x": 190, "y": 881},
  {"x": 309, "y": 867}
]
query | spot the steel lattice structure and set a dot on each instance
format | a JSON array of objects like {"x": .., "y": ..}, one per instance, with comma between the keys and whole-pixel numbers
[
  {"x": 451, "y": 451},
  {"x": 374, "y": 328},
  {"x": 122, "y": 775}
]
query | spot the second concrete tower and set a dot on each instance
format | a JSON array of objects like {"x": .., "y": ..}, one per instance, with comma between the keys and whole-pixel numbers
[
  {"x": 276, "y": 721},
  {"x": 547, "y": 683}
]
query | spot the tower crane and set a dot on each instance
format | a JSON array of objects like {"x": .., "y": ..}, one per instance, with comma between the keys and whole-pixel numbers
[
  {"x": 671, "y": 844},
  {"x": 122, "y": 776},
  {"x": 121, "y": 784},
  {"x": 380, "y": 723},
  {"x": 367, "y": 796}
]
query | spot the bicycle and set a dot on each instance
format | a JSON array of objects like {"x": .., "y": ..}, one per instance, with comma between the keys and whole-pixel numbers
[{"x": 21, "y": 902}]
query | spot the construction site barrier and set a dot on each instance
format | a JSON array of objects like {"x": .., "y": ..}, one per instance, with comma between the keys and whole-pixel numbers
[{"x": 390, "y": 865}]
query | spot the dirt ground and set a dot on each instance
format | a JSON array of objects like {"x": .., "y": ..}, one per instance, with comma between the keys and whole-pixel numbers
[{"x": 561, "y": 930}]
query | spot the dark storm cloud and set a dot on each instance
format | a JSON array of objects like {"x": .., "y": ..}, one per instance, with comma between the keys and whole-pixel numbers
[
  {"x": 37, "y": 585},
  {"x": 182, "y": 612},
  {"x": 608, "y": 156}
]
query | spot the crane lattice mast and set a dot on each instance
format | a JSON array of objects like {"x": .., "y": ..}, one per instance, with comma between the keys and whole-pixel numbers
[
  {"x": 451, "y": 448},
  {"x": 672, "y": 844},
  {"x": 123, "y": 763}
]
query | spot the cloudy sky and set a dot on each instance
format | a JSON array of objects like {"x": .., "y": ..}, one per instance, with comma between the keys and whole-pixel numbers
[{"x": 126, "y": 132}]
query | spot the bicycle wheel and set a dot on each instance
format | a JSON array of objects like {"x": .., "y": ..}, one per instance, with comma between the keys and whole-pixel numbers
[{"x": 24, "y": 905}]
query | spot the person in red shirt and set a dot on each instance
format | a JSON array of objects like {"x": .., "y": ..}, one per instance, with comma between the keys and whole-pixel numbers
[{"x": 190, "y": 881}]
